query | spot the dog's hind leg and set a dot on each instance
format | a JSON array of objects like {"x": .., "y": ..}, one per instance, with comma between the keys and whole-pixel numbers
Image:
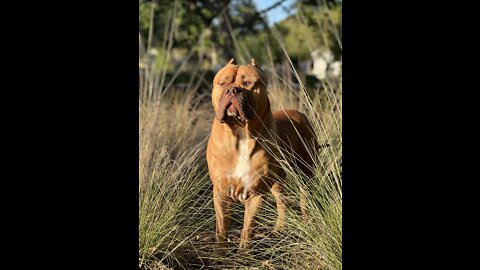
[
  {"x": 303, "y": 204},
  {"x": 281, "y": 210}
]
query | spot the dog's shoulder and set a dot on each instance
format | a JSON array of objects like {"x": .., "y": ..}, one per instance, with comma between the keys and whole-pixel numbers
[{"x": 285, "y": 117}]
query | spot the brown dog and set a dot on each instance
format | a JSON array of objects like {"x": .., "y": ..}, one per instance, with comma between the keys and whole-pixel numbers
[{"x": 241, "y": 167}]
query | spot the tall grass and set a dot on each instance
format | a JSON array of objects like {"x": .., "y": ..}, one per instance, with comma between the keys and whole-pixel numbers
[
  {"x": 318, "y": 241},
  {"x": 176, "y": 221},
  {"x": 173, "y": 177}
]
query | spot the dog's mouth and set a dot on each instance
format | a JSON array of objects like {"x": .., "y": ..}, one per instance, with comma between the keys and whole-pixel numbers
[{"x": 234, "y": 108}]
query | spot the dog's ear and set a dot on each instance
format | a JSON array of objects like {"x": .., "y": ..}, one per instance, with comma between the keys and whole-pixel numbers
[
  {"x": 231, "y": 61},
  {"x": 254, "y": 63}
]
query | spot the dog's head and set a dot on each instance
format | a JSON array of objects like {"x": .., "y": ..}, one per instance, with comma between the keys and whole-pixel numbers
[{"x": 239, "y": 92}]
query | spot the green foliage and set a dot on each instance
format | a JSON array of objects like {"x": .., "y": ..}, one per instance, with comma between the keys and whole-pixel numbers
[
  {"x": 161, "y": 61},
  {"x": 301, "y": 39},
  {"x": 244, "y": 18},
  {"x": 326, "y": 19},
  {"x": 260, "y": 46},
  {"x": 161, "y": 10},
  {"x": 144, "y": 17},
  {"x": 192, "y": 18}
]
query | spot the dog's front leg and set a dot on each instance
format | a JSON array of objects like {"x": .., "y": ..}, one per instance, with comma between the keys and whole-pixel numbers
[
  {"x": 252, "y": 206},
  {"x": 223, "y": 210}
]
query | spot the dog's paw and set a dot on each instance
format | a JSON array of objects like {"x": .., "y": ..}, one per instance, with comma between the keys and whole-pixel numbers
[{"x": 238, "y": 192}]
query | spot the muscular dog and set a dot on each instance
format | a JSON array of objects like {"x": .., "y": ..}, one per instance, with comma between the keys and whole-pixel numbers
[{"x": 242, "y": 145}]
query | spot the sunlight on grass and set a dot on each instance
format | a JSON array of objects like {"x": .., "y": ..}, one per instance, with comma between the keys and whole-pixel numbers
[{"x": 177, "y": 221}]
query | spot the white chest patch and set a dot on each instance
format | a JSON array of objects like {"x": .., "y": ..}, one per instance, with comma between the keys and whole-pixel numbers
[{"x": 242, "y": 168}]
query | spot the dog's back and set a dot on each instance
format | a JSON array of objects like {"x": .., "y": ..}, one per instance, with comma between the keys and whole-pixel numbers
[{"x": 290, "y": 124}]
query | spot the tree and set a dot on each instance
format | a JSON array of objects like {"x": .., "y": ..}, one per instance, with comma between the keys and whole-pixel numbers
[
  {"x": 192, "y": 17},
  {"x": 325, "y": 15}
]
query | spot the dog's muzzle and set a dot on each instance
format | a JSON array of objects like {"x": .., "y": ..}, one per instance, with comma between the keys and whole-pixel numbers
[{"x": 234, "y": 106}]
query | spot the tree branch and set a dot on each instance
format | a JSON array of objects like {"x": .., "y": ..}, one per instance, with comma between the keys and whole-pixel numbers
[{"x": 271, "y": 7}]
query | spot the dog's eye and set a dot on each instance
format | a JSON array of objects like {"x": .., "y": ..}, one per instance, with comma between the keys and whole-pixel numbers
[
  {"x": 222, "y": 83},
  {"x": 246, "y": 83}
]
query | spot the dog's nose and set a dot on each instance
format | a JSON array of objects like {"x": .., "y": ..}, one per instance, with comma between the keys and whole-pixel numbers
[{"x": 232, "y": 90}]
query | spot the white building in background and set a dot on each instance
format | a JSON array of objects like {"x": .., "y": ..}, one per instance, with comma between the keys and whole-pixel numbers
[
  {"x": 324, "y": 66},
  {"x": 321, "y": 59},
  {"x": 335, "y": 69}
]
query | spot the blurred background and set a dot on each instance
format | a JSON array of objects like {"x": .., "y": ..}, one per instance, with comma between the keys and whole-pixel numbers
[{"x": 181, "y": 41}]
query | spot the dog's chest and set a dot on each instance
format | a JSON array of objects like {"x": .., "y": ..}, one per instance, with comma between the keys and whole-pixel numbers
[{"x": 242, "y": 170}]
